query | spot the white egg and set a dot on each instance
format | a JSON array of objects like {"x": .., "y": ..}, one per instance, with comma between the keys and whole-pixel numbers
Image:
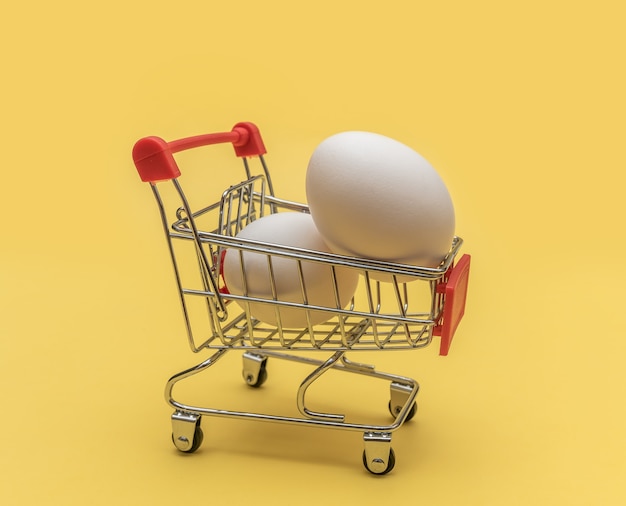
[
  {"x": 295, "y": 230},
  {"x": 373, "y": 197}
]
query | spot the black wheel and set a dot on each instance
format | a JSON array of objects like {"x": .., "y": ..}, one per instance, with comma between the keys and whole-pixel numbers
[
  {"x": 198, "y": 437},
  {"x": 390, "y": 464},
  {"x": 394, "y": 411},
  {"x": 261, "y": 378}
]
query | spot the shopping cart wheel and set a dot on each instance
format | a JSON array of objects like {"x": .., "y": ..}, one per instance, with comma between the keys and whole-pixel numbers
[
  {"x": 395, "y": 410},
  {"x": 187, "y": 434},
  {"x": 259, "y": 380},
  {"x": 400, "y": 395},
  {"x": 198, "y": 437},
  {"x": 379, "y": 467},
  {"x": 378, "y": 456},
  {"x": 254, "y": 369}
]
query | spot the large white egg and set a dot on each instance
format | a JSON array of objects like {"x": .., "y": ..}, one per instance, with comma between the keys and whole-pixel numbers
[
  {"x": 373, "y": 197},
  {"x": 295, "y": 230}
]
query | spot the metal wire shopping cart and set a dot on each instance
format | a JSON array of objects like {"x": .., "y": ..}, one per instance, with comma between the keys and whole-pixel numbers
[{"x": 391, "y": 315}]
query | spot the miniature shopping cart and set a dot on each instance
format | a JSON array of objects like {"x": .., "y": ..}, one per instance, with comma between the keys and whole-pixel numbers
[{"x": 404, "y": 312}]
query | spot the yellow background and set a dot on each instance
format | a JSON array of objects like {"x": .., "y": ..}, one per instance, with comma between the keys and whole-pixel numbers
[{"x": 519, "y": 105}]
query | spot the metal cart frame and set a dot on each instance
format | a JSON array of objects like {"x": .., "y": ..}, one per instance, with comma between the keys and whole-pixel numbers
[{"x": 383, "y": 318}]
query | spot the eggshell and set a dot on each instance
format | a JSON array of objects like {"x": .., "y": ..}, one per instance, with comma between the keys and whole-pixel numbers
[
  {"x": 371, "y": 196},
  {"x": 287, "y": 229}
]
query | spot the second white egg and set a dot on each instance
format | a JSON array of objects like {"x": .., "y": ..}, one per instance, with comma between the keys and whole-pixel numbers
[{"x": 250, "y": 273}]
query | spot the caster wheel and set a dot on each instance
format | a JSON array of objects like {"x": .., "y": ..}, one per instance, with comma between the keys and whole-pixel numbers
[
  {"x": 260, "y": 379},
  {"x": 378, "y": 471},
  {"x": 198, "y": 437},
  {"x": 394, "y": 411}
]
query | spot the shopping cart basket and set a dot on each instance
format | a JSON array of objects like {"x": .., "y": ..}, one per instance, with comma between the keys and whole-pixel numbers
[{"x": 403, "y": 313}]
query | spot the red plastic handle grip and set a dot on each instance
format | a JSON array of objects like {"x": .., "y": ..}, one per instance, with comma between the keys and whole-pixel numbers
[{"x": 154, "y": 158}]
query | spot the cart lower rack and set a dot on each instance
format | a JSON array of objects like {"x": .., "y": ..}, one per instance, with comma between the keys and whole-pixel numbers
[{"x": 403, "y": 313}]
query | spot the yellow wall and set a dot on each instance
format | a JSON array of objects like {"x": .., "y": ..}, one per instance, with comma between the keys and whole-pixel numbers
[{"x": 520, "y": 106}]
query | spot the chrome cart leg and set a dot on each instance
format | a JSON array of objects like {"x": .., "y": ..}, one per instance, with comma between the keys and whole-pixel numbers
[
  {"x": 254, "y": 369},
  {"x": 400, "y": 395},
  {"x": 378, "y": 456},
  {"x": 186, "y": 431},
  {"x": 308, "y": 381}
]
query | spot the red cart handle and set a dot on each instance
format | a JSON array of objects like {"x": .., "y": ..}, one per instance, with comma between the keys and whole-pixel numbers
[{"x": 154, "y": 158}]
